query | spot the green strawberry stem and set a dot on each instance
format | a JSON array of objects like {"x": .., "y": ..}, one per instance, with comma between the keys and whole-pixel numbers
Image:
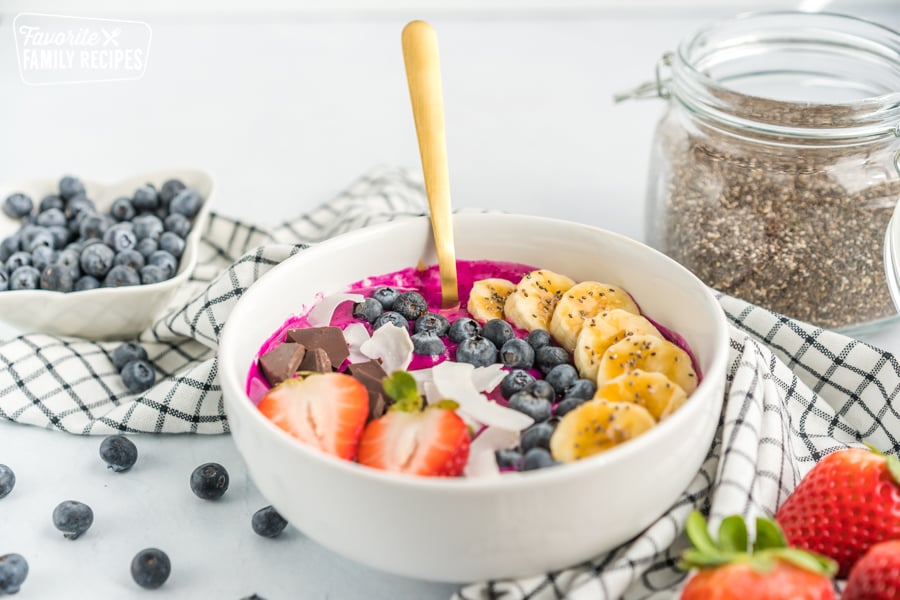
[
  {"x": 769, "y": 547},
  {"x": 893, "y": 463},
  {"x": 401, "y": 386}
]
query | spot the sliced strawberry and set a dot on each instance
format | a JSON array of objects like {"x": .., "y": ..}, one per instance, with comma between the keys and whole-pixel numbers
[
  {"x": 327, "y": 411},
  {"x": 434, "y": 442}
]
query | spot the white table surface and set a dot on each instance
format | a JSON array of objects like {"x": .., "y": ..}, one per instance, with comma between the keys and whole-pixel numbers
[{"x": 286, "y": 112}]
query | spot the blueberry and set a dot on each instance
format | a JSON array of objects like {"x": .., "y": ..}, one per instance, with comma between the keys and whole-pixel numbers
[
  {"x": 88, "y": 282},
  {"x": 548, "y": 357},
  {"x": 517, "y": 354},
  {"x": 561, "y": 377},
  {"x": 165, "y": 261},
  {"x": 387, "y": 296},
  {"x": 568, "y": 404},
  {"x": 537, "y": 458},
  {"x": 48, "y": 202},
  {"x": 187, "y": 203},
  {"x": 463, "y": 329},
  {"x": 89, "y": 242},
  {"x": 411, "y": 305},
  {"x": 171, "y": 243},
  {"x": 4, "y": 278},
  {"x": 478, "y": 351},
  {"x": 170, "y": 189},
  {"x": 129, "y": 258},
  {"x": 432, "y": 323},
  {"x": 525, "y": 402},
  {"x": 145, "y": 199},
  {"x": 542, "y": 389},
  {"x": 118, "y": 452},
  {"x": 498, "y": 331},
  {"x": 80, "y": 205},
  {"x": 508, "y": 459},
  {"x": 27, "y": 235},
  {"x": 7, "y": 480},
  {"x": 138, "y": 376},
  {"x": 61, "y": 236},
  {"x": 392, "y": 317},
  {"x": 537, "y": 436},
  {"x": 148, "y": 226},
  {"x": 267, "y": 522},
  {"x": 147, "y": 246},
  {"x": 24, "y": 278},
  {"x": 178, "y": 224},
  {"x": 57, "y": 278},
  {"x": 427, "y": 343},
  {"x": 127, "y": 352},
  {"x": 122, "y": 209},
  {"x": 368, "y": 310},
  {"x": 13, "y": 571},
  {"x": 70, "y": 186},
  {"x": 97, "y": 260},
  {"x": 93, "y": 226},
  {"x": 17, "y": 206},
  {"x": 73, "y": 518},
  {"x": 52, "y": 217},
  {"x": 152, "y": 274},
  {"x": 120, "y": 238},
  {"x": 121, "y": 276},
  {"x": 41, "y": 257},
  {"x": 209, "y": 481},
  {"x": 41, "y": 238},
  {"x": 582, "y": 388},
  {"x": 71, "y": 259},
  {"x": 9, "y": 246},
  {"x": 515, "y": 381},
  {"x": 150, "y": 568},
  {"x": 539, "y": 338}
]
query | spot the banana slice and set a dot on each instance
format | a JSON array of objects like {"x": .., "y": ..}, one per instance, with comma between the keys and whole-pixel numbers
[
  {"x": 654, "y": 391},
  {"x": 531, "y": 305},
  {"x": 596, "y": 426},
  {"x": 601, "y": 332},
  {"x": 487, "y": 298},
  {"x": 648, "y": 353},
  {"x": 582, "y": 301}
]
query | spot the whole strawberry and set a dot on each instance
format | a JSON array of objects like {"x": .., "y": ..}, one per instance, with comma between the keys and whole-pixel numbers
[
  {"x": 876, "y": 576},
  {"x": 847, "y": 503},
  {"x": 768, "y": 571}
]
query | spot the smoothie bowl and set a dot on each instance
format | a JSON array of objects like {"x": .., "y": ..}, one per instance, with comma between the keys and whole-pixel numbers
[{"x": 542, "y": 422}]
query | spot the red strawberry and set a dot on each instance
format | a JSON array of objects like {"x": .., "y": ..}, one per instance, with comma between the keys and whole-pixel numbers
[
  {"x": 433, "y": 442},
  {"x": 770, "y": 571},
  {"x": 327, "y": 411},
  {"x": 848, "y": 502},
  {"x": 876, "y": 576}
]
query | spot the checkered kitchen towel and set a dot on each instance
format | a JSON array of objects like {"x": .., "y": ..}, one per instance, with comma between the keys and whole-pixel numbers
[{"x": 795, "y": 392}]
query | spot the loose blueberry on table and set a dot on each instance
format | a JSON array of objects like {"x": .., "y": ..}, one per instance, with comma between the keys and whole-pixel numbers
[
  {"x": 548, "y": 370},
  {"x": 209, "y": 481},
  {"x": 150, "y": 568},
  {"x": 73, "y": 518},
  {"x": 267, "y": 522},
  {"x": 7, "y": 480},
  {"x": 13, "y": 571},
  {"x": 118, "y": 452},
  {"x": 68, "y": 245}
]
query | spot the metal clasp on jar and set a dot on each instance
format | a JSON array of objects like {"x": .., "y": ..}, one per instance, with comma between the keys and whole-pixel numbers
[{"x": 650, "y": 89}]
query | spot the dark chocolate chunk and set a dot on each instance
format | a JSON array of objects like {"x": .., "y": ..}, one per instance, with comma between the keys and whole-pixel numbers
[
  {"x": 329, "y": 339},
  {"x": 316, "y": 360},
  {"x": 370, "y": 374},
  {"x": 281, "y": 362}
]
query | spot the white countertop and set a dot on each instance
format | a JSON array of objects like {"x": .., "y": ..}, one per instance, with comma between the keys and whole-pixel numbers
[{"x": 286, "y": 112}]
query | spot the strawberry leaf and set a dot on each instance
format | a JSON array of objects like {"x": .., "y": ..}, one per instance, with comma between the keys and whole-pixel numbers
[
  {"x": 695, "y": 559},
  {"x": 446, "y": 404},
  {"x": 699, "y": 535},
  {"x": 893, "y": 465},
  {"x": 810, "y": 561},
  {"x": 768, "y": 535},
  {"x": 401, "y": 386},
  {"x": 733, "y": 534}
]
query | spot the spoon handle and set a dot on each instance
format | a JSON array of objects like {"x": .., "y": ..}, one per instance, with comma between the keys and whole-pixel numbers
[{"x": 423, "y": 75}]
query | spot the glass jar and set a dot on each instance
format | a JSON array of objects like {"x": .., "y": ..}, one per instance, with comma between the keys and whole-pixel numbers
[{"x": 774, "y": 170}]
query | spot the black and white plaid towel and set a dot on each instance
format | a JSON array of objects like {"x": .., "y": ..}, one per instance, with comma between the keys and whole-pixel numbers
[{"x": 795, "y": 392}]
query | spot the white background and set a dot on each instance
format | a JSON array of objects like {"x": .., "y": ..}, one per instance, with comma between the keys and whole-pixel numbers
[{"x": 286, "y": 104}]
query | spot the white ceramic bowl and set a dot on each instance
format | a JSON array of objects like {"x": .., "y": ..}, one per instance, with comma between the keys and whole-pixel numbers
[
  {"x": 458, "y": 529},
  {"x": 104, "y": 313}
]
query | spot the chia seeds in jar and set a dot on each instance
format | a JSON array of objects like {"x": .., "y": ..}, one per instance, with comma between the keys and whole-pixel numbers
[{"x": 774, "y": 170}]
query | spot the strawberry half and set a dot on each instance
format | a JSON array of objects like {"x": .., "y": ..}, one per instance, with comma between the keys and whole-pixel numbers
[
  {"x": 876, "y": 576},
  {"x": 847, "y": 503},
  {"x": 327, "y": 411},
  {"x": 432, "y": 442}
]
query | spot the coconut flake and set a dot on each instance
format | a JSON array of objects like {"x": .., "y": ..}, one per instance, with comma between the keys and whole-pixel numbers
[
  {"x": 356, "y": 334},
  {"x": 455, "y": 381},
  {"x": 489, "y": 377},
  {"x": 431, "y": 393},
  {"x": 482, "y": 458},
  {"x": 390, "y": 344},
  {"x": 321, "y": 313}
]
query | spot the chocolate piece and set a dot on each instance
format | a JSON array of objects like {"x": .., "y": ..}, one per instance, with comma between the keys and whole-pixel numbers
[
  {"x": 281, "y": 362},
  {"x": 329, "y": 339},
  {"x": 370, "y": 374},
  {"x": 316, "y": 360}
]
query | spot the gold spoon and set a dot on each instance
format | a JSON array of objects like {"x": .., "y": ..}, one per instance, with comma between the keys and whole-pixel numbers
[{"x": 423, "y": 75}]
